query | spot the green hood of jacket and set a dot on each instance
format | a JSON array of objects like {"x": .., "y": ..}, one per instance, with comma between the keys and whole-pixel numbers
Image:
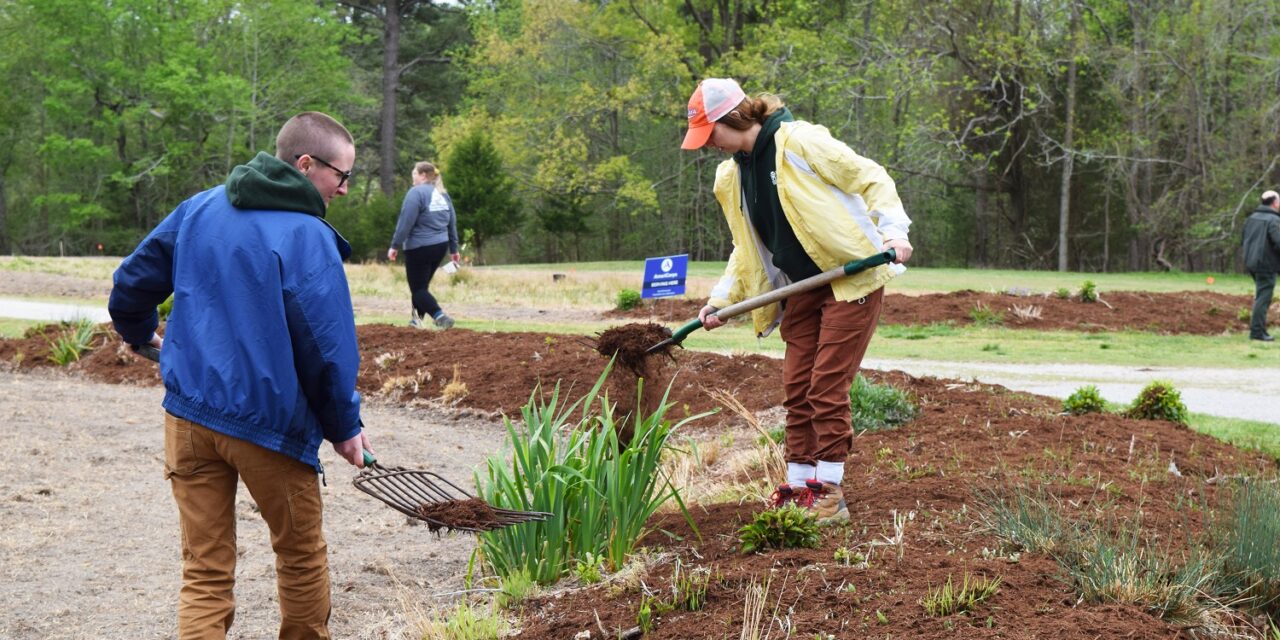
[{"x": 268, "y": 183}]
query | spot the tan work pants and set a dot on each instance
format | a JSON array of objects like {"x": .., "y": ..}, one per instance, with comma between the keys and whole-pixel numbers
[
  {"x": 202, "y": 467},
  {"x": 826, "y": 340}
]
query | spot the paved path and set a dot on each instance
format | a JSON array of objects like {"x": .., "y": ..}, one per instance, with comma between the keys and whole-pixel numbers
[
  {"x": 1251, "y": 394},
  {"x": 28, "y": 310}
]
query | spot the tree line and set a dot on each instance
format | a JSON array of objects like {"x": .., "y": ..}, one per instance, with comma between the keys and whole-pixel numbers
[{"x": 1091, "y": 135}]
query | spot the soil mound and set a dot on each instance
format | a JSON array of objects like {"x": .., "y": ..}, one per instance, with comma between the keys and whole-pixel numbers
[{"x": 1192, "y": 312}]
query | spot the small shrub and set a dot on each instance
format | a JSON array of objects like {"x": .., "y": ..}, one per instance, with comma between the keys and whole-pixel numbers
[
  {"x": 879, "y": 406},
  {"x": 1159, "y": 401},
  {"x": 984, "y": 316},
  {"x": 849, "y": 558},
  {"x": 1084, "y": 400},
  {"x": 789, "y": 527},
  {"x": 1244, "y": 315},
  {"x": 628, "y": 299},
  {"x": 1063, "y": 293},
  {"x": 73, "y": 342},
  {"x": 949, "y": 599},
  {"x": 1088, "y": 291},
  {"x": 165, "y": 308}
]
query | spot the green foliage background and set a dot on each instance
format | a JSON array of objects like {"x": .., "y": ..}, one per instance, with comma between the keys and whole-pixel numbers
[{"x": 115, "y": 112}]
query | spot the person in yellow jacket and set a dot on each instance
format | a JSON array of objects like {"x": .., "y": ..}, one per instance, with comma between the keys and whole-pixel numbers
[{"x": 799, "y": 202}]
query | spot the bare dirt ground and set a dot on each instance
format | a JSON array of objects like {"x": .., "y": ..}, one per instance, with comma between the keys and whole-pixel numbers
[{"x": 90, "y": 544}]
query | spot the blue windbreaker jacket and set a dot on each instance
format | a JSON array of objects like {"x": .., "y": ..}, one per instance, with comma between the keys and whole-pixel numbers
[{"x": 261, "y": 342}]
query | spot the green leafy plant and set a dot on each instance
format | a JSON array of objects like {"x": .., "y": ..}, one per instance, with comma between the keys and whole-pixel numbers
[
  {"x": 601, "y": 491},
  {"x": 949, "y": 598},
  {"x": 774, "y": 435},
  {"x": 628, "y": 299},
  {"x": 165, "y": 308},
  {"x": 984, "y": 316},
  {"x": 879, "y": 406},
  {"x": 848, "y": 557},
  {"x": 1063, "y": 293},
  {"x": 1158, "y": 401},
  {"x": 73, "y": 342},
  {"x": 589, "y": 570},
  {"x": 1084, "y": 400},
  {"x": 1245, "y": 314},
  {"x": 789, "y": 527},
  {"x": 1088, "y": 291}
]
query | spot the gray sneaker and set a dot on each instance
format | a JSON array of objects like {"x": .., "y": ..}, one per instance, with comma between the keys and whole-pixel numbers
[
  {"x": 444, "y": 321},
  {"x": 415, "y": 320}
]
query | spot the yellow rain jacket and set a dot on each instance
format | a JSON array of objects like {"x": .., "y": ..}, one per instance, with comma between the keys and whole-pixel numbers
[{"x": 840, "y": 205}]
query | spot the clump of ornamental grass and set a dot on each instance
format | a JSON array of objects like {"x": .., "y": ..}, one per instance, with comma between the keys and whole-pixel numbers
[
  {"x": 879, "y": 406},
  {"x": 951, "y": 598},
  {"x": 568, "y": 460},
  {"x": 73, "y": 342}
]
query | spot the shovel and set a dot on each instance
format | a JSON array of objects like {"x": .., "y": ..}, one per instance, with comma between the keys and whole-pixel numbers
[{"x": 875, "y": 260}]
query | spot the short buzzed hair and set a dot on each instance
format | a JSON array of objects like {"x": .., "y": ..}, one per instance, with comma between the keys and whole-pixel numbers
[{"x": 311, "y": 132}]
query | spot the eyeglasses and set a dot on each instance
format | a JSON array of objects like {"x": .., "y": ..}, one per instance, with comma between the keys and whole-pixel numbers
[{"x": 345, "y": 175}]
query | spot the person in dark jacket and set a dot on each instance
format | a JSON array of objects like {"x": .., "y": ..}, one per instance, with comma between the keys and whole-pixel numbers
[
  {"x": 427, "y": 228},
  {"x": 259, "y": 363},
  {"x": 1261, "y": 250}
]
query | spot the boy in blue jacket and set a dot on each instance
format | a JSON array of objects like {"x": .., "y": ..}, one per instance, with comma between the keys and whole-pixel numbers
[{"x": 259, "y": 363}]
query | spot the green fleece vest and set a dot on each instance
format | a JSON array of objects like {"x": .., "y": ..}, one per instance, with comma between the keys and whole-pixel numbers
[{"x": 758, "y": 171}]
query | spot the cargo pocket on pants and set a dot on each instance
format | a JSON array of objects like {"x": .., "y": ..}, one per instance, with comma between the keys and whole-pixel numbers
[
  {"x": 179, "y": 450},
  {"x": 304, "y": 503}
]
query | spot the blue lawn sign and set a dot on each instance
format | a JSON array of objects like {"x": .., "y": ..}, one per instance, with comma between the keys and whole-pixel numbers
[{"x": 664, "y": 277}]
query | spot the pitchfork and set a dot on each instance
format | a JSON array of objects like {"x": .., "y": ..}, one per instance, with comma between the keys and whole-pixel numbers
[{"x": 408, "y": 491}]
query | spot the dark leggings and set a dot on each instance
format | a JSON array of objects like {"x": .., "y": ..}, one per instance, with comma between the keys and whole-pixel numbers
[{"x": 419, "y": 265}]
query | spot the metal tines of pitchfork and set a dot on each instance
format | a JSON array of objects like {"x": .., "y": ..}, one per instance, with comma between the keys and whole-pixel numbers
[{"x": 409, "y": 491}]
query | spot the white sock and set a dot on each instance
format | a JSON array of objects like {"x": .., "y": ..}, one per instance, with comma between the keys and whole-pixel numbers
[
  {"x": 830, "y": 472},
  {"x": 797, "y": 473}
]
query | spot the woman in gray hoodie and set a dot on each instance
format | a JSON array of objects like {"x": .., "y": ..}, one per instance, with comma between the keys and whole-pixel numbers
[{"x": 428, "y": 227}]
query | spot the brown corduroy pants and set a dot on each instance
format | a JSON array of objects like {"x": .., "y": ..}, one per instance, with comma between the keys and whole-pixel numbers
[
  {"x": 825, "y": 340},
  {"x": 203, "y": 467}
]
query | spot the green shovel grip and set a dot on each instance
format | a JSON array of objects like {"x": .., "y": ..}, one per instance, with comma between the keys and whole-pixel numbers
[
  {"x": 369, "y": 460},
  {"x": 683, "y": 332},
  {"x": 884, "y": 257}
]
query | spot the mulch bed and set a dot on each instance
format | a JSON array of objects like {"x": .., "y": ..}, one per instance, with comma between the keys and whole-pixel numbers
[
  {"x": 1191, "y": 312},
  {"x": 967, "y": 437}
]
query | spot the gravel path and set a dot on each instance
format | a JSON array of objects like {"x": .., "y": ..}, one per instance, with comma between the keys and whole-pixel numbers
[{"x": 90, "y": 549}]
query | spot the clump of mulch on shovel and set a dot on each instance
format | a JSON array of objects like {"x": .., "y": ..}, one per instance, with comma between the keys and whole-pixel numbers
[
  {"x": 473, "y": 513},
  {"x": 630, "y": 344}
]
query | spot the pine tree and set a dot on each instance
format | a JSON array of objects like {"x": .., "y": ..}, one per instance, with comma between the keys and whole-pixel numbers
[{"x": 483, "y": 193}]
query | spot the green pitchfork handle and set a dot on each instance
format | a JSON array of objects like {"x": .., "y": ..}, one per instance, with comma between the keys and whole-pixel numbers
[{"x": 884, "y": 257}]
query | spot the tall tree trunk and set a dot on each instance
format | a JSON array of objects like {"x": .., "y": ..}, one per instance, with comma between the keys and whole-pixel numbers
[
  {"x": 390, "y": 83},
  {"x": 1064, "y": 204}
]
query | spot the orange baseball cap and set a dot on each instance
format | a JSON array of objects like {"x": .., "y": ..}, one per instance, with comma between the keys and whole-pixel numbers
[{"x": 713, "y": 98}]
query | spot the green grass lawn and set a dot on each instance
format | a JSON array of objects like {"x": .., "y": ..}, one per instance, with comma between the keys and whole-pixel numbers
[{"x": 921, "y": 279}]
